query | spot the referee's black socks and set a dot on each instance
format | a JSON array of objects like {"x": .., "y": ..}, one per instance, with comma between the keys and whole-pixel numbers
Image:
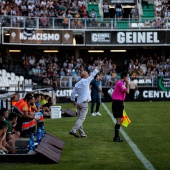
[{"x": 117, "y": 128}]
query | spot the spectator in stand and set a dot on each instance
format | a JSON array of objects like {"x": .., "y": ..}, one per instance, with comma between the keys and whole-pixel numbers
[
  {"x": 32, "y": 61},
  {"x": 62, "y": 7},
  {"x": 81, "y": 3},
  {"x": 24, "y": 9},
  {"x": 109, "y": 81},
  {"x": 44, "y": 20},
  {"x": 106, "y": 10},
  {"x": 114, "y": 76},
  {"x": 20, "y": 19},
  {"x": 43, "y": 3},
  {"x": 79, "y": 24},
  {"x": 167, "y": 72},
  {"x": 4, "y": 11},
  {"x": 31, "y": 7},
  {"x": 119, "y": 10},
  {"x": 85, "y": 16},
  {"x": 42, "y": 61},
  {"x": 158, "y": 23},
  {"x": 37, "y": 12},
  {"x": 69, "y": 70},
  {"x": 82, "y": 8},
  {"x": 134, "y": 72},
  {"x": 18, "y": 2},
  {"x": 154, "y": 23},
  {"x": 35, "y": 71},
  {"x": 65, "y": 63},
  {"x": 50, "y": 75},
  {"x": 44, "y": 11},
  {"x": 148, "y": 73},
  {"x": 13, "y": 11},
  {"x": 62, "y": 72},
  {"x": 147, "y": 22},
  {"x": 77, "y": 15},
  {"x": 65, "y": 21},
  {"x": 51, "y": 13},
  {"x": 160, "y": 72},
  {"x": 50, "y": 4},
  {"x": 140, "y": 72},
  {"x": 93, "y": 17},
  {"x": 135, "y": 12},
  {"x": 31, "y": 1}
]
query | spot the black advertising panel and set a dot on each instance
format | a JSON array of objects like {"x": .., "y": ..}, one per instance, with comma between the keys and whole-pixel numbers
[
  {"x": 134, "y": 37},
  {"x": 30, "y": 36},
  {"x": 35, "y": 36},
  {"x": 18, "y": 36},
  {"x": 142, "y": 94}
]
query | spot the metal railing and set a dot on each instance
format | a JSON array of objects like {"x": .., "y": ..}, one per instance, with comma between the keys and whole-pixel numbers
[
  {"x": 79, "y": 23},
  {"x": 108, "y": 81}
]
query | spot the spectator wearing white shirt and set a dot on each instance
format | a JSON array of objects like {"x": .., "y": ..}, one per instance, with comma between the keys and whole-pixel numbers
[
  {"x": 31, "y": 7},
  {"x": 50, "y": 4},
  {"x": 13, "y": 11},
  {"x": 23, "y": 8},
  {"x": 81, "y": 89},
  {"x": 43, "y": 3},
  {"x": 32, "y": 61},
  {"x": 42, "y": 61},
  {"x": 106, "y": 10},
  {"x": 20, "y": 19},
  {"x": 93, "y": 16},
  {"x": 4, "y": 12},
  {"x": 81, "y": 2},
  {"x": 31, "y": 1},
  {"x": 18, "y": 2}
]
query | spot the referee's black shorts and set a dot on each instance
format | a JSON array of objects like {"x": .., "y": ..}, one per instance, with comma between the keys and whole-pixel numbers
[{"x": 117, "y": 108}]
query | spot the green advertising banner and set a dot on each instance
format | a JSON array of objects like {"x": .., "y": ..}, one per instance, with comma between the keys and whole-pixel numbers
[{"x": 164, "y": 83}]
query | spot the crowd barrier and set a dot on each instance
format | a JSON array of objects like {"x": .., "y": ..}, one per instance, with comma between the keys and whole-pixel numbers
[
  {"x": 108, "y": 81},
  {"x": 78, "y": 23}
]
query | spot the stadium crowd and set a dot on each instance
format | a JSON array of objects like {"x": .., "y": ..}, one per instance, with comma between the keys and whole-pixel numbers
[
  {"x": 55, "y": 70},
  {"x": 62, "y": 10}
]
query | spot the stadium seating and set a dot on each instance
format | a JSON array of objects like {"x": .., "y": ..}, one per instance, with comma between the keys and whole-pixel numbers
[{"x": 10, "y": 81}]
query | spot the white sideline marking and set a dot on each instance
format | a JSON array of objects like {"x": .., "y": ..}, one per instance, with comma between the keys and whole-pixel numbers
[{"x": 138, "y": 153}]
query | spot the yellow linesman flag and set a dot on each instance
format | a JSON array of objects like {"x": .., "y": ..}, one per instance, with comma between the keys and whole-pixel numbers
[{"x": 125, "y": 119}]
